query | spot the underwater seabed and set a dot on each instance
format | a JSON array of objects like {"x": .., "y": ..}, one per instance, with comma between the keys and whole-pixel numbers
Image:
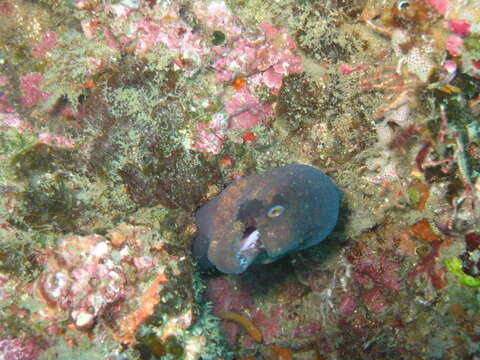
[{"x": 120, "y": 119}]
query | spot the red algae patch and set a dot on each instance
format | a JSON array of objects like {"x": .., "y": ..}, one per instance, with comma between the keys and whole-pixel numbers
[
  {"x": 149, "y": 299},
  {"x": 423, "y": 231}
]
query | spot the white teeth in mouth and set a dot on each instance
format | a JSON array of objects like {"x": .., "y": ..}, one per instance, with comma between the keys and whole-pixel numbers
[
  {"x": 250, "y": 242},
  {"x": 249, "y": 248}
]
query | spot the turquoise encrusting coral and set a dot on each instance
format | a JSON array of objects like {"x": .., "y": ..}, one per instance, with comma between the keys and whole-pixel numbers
[{"x": 260, "y": 218}]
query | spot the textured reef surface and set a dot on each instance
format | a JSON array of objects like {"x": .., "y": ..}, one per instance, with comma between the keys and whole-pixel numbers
[
  {"x": 121, "y": 120},
  {"x": 261, "y": 218}
]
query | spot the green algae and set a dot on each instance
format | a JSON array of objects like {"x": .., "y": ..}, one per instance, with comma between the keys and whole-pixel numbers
[
  {"x": 472, "y": 44},
  {"x": 72, "y": 63},
  {"x": 218, "y": 37},
  {"x": 141, "y": 120},
  {"x": 85, "y": 349},
  {"x": 118, "y": 182},
  {"x": 454, "y": 265},
  {"x": 414, "y": 196}
]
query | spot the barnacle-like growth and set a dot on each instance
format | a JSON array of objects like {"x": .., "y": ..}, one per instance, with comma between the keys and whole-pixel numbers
[{"x": 416, "y": 32}]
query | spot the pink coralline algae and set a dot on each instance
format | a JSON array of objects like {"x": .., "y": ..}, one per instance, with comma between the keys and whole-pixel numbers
[
  {"x": 216, "y": 16},
  {"x": 177, "y": 36},
  {"x": 278, "y": 57},
  {"x": 13, "y": 120},
  {"x": 87, "y": 286},
  {"x": 5, "y": 106},
  {"x": 381, "y": 271},
  {"x": 8, "y": 113},
  {"x": 459, "y": 27},
  {"x": 454, "y": 45},
  {"x": 30, "y": 86},
  {"x": 6, "y": 7},
  {"x": 264, "y": 61},
  {"x": 347, "y": 306},
  {"x": 374, "y": 299},
  {"x": 58, "y": 140},
  {"x": 246, "y": 110},
  {"x": 269, "y": 322},
  {"x": 16, "y": 349},
  {"x": 31, "y": 95},
  {"x": 346, "y": 69},
  {"x": 261, "y": 63},
  {"x": 82, "y": 4},
  {"x": 137, "y": 30},
  {"x": 262, "y": 56},
  {"x": 210, "y": 137},
  {"x": 461, "y": 19},
  {"x": 441, "y": 6},
  {"x": 376, "y": 279},
  {"x": 228, "y": 296},
  {"x": 233, "y": 296},
  {"x": 47, "y": 43}
]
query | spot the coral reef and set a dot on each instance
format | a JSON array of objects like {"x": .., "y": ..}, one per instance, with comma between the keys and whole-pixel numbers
[
  {"x": 119, "y": 119},
  {"x": 87, "y": 285}
]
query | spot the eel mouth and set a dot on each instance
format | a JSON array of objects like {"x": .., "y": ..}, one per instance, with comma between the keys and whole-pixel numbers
[
  {"x": 239, "y": 248},
  {"x": 250, "y": 246}
]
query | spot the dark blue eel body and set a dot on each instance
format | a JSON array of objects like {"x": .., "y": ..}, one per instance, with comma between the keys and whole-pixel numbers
[{"x": 260, "y": 218}]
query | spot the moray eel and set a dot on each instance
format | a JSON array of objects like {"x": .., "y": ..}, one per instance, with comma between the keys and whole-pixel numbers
[{"x": 260, "y": 218}]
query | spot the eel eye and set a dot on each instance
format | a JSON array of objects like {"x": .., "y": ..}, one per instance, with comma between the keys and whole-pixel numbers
[
  {"x": 403, "y": 5},
  {"x": 275, "y": 211}
]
